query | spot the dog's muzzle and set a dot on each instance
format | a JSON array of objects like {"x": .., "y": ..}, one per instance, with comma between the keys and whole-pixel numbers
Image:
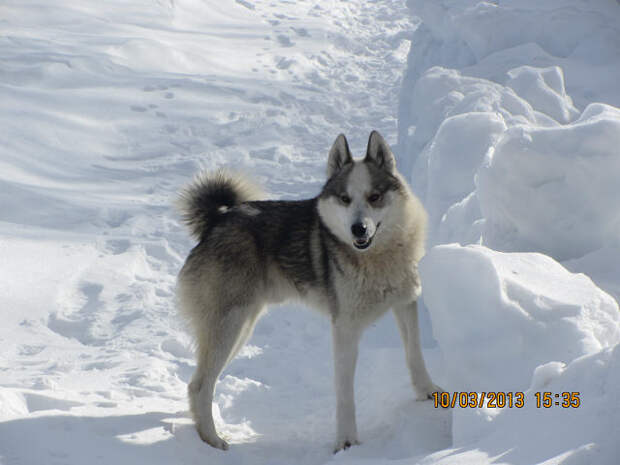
[{"x": 360, "y": 233}]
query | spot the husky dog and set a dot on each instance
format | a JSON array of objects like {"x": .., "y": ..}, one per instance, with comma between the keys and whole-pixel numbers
[{"x": 351, "y": 253}]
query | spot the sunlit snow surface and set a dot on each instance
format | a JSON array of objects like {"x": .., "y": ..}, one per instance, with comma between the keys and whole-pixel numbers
[
  {"x": 505, "y": 121},
  {"x": 509, "y": 130}
]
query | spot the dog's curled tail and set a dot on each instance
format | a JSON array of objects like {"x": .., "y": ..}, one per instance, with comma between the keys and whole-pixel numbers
[{"x": 209, "y": 196}]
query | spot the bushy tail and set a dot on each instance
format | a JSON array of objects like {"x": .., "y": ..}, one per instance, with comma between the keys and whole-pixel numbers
[{"x": 210, "y": 195}]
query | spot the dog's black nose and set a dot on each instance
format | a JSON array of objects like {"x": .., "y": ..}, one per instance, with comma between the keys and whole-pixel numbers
[{"x": 359, "y": 230}]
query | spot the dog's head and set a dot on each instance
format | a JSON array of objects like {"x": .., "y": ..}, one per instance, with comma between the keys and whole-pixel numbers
[{"x": 362, "y": 199}]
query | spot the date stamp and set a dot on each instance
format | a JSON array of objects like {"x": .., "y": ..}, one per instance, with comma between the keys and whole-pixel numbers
[{"x": 502, "y": 399}]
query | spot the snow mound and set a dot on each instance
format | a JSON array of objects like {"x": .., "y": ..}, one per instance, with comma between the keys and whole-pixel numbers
[
  {"x": 487, "y": 39},
  {"x": 450, "y": 168},
  {"x": 501, "y": 67},
  {"x": 455, "y": 120},
  {"x": 506, "y": 145},
  {"x": 535, "y": 185},
  {"x": 590, "y": 429},
  {"x": 494, "y": 168},
  {"x": 498, "y": 316},
  {"x": 554, "y": 190},
  {"x": 544, "y": 88},
  {"x": 603, "y": 266},
  {"x": 441, "y": 93}
]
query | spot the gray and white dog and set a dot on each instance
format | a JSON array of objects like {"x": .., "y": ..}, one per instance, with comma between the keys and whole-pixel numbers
[{"x": 351, "y": 253}]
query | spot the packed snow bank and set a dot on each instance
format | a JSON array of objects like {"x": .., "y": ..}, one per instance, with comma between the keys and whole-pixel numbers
[
  {"x": 487, "y": 75},
  {"x": 583, "y": 435},
  {"x": 531, "y": 177},
  {"x": 603, "y": 266},
  {"x": 520, "y": 322},
  {"x": 440, "y": 93},
  {"x": 450, "y": 169},
  {"x": 504, "y": 138},
  {"x": 554, "y": 190},
  {"x": 459, "y": 118},
  {"x": 487, "y": 39},
  {"x": 544, "y": 88},
  {"x": 498, "y": 316}
]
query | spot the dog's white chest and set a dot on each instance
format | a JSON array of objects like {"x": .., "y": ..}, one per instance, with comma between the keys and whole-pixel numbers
[{"x": 370, "y": 290}]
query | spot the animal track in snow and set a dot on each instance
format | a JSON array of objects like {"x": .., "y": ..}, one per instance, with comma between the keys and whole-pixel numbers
[
  {"x": 79, "y": 325},
  {"x": 285, "y": 41},
  {"x": 29, "y": 350},
  {"x": 37, "y": 402},
  {"x": 117, "y": 246},
  {"x": 246, "y": 4},
  {"x": 301, "y": 31},
  {"x": 176, "y": 348}
]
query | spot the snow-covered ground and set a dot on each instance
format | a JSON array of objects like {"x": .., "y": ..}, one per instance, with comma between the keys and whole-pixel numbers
[{"x": 504, "y": 117}]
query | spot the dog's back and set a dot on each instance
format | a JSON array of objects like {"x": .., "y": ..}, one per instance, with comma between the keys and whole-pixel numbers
[{"x": 255, "y": 244}]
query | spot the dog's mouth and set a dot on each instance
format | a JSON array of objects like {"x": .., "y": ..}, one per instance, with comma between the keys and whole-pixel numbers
[{"x": 363, "y": 243}]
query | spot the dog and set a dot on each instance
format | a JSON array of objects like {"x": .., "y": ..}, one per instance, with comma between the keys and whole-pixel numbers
[{"x": 351, "y": 253}]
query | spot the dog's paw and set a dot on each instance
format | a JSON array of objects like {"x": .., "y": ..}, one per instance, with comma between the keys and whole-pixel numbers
[
  {"x": 213, "y": 440},
  {"x": 345, "y": 444},
  {"x": 426, "y": 392}
]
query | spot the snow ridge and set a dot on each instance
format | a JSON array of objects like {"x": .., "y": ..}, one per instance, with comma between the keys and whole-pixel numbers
[{"x": 508, "y": 127}]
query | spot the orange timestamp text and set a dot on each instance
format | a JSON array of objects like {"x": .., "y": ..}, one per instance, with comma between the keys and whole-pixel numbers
[{"x": 501, "y": 399}]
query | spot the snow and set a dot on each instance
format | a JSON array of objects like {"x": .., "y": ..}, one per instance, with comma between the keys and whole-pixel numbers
[
  {"x": 508, "y": 313},
  {"x": 508, "y": 124},
  {"x": 587, "y": 434},
  {"x": 548, "y": 200},
  {"x": 544, "y": 88},
  {"x": 451, "y": 170},
  {"x": 504, "y": 117}
]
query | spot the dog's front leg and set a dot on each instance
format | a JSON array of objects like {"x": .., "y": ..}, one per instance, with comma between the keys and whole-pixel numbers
[
  {"x": 407, "y": 319},
  {"x": 345, "y": 342}
]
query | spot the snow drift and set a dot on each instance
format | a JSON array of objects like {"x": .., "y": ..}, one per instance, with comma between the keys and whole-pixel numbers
[
  {"x": 487, "y": 154},
  {"x": 497, "y": 316},
  {"x": 555, "y": 435},
  {"x": 509, "y": 126},
  {"x": 554, "y": 189},
  {"x": 486, "y": 95}
]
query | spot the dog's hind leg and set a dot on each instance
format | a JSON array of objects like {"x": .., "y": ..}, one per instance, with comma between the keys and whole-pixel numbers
[
  {"x": 407, "y": 319},
  {"x": 345, "y": 344},
  {"x": 217, "y": 346}
]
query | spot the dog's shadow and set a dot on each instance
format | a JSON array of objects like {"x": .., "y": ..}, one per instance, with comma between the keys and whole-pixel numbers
[
  {"x": 290, "y": 411},
  {"x": 70, "y": 439},
  {"x": 165, "y": 438},
  {"x": 154, "y": 438}
]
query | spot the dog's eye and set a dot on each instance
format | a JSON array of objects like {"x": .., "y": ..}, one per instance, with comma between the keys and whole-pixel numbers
[
  {"x": 344, "y": 198},
  {"x": 374, "y": 197}
]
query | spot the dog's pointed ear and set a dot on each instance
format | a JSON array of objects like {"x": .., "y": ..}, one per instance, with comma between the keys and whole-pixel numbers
[
  {"x": 339, "y": 155},
  {"x": 379, "y": 152}
]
